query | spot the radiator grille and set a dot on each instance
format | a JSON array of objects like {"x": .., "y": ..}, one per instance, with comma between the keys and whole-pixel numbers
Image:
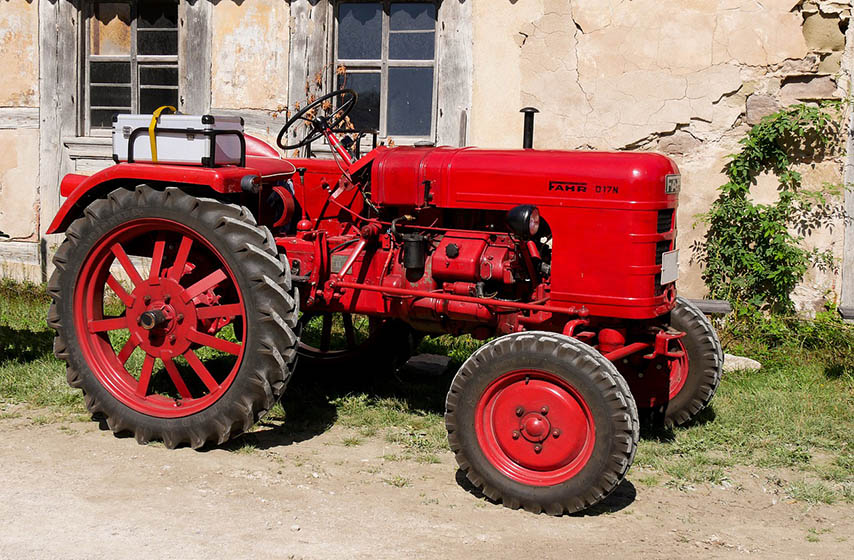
[{"x": 665, "y": 220}]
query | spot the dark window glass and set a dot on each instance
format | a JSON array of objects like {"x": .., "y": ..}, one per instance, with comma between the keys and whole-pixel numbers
[
  {"x": 110, "y": 96},
  {"x": 158, "y": 75},
  {"x": 158, "y": 14},
  {"x": 411, "y": 46},
  {"x": 152, "y": 98},
  {"x": 103, "y": 118},
  {"x": 366, "y": 114},
  {"x": 410, "y": 101},
  {"x": 419, "y": 16},
  {"x": 360, "y": 31},
  {"x": 109, "y": 72},
  {"x": 157, "y": 42}
]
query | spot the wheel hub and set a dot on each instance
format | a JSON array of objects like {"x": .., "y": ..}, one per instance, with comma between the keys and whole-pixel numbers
[
  {"x": 160, "y": 319},
  {"x": 535, "y": 427}
]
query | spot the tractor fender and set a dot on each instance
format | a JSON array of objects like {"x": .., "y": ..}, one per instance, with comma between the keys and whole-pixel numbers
[{"x": 80, "y": 190}]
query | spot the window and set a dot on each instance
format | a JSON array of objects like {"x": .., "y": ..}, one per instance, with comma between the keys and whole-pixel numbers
[
  {"x": 131, "y": 63},
  {"x": 389, "y": 52}
]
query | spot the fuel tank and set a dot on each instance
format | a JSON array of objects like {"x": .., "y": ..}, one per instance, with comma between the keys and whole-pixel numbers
[{"x": 611, "y": 214}]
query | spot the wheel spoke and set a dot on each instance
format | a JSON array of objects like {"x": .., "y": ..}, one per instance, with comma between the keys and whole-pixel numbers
[
  {"x": 109, "y": 324},
  {"x": 205, "y": 284},
  {"x": 157, "y": 259},
  {"x": 117, "y": 288},
  {"x": 326, "y": 333},
  {"x": 214, "y": 342},
  {"x": 176, "y": 378},
  {"x": 124, "y": 260},
  {"x": 145, "y": 375},
  {"x": 127, "y": 350},
  {"x": 181, "y": 258},
  {"x": 216, "y": 311},
  {"x": 349, "y": 332},
  {"x": 201, "y": 371}
]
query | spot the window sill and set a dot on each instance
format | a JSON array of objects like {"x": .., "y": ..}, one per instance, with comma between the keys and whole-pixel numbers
[{"x": 89, "y": 147}]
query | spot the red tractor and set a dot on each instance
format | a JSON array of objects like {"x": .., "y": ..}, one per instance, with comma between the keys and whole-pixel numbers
[{"x": 180, "y": 293}]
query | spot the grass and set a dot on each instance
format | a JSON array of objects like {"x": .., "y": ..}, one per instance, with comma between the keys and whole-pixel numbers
[{"x": 793, "y": 416}]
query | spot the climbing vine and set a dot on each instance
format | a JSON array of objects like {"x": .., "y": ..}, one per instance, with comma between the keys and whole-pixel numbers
[{"x": 753, "y": 253}]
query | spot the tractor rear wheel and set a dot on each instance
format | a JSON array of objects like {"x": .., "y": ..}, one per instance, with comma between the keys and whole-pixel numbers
[
  {"x": 694, "y": 379},
  {"x": 542, "y": 421},
  {"x": 175, "y": 315}
]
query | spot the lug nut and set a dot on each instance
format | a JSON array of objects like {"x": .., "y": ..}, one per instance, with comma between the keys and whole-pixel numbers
[
  {"x": 538, "y": 448},
  {"x": 520, "y": 411},
  {"x": 556, "y": 433},
  {"x": 147, "y": 300},
  {"x": 515, "y": 434},
  {"x": 544, "y": 410}
]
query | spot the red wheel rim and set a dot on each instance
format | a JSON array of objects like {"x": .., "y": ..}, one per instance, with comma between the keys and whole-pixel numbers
[
  {"x": 678, "y": 371},
  {"x": 175, "y": 315},
  {"x": 534, "y": 427}
]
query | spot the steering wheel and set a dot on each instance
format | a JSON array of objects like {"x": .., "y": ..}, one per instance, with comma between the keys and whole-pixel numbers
[{"x": 312, "y": 114}]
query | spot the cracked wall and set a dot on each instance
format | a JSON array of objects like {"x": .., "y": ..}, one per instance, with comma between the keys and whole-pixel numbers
[
  {"x": 250, "y": 54},
  {"x": 683, "y": 77},
  {"x": 19, "y": 60}
]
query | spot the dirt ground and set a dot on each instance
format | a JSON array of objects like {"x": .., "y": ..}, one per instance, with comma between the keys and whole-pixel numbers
[{"x": 71, "y": 490}]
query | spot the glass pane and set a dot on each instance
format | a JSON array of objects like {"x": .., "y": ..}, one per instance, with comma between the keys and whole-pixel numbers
[
  {"x": 360, "y": 31},
  {"x": 109, "y": 72},
  {"x": 366, "y": 114},
  {"x": 411, "y": 46},
  {"x": 109, "y": 96},
  {"x": 103, "y": 118},
  {"x": 157, "y": 42},
  {"x": 413, "y": 15},
  {"x": 151, "y": 99},
  {"x": 410, "y": 101},
  {"x": 153, "y": 13},
  {"x": 158, "y": 75},
  {"x": 109, "y": 30}
]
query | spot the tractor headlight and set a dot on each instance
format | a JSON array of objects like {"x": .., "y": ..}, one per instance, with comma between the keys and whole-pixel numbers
[{"x": 524, "y": 220}]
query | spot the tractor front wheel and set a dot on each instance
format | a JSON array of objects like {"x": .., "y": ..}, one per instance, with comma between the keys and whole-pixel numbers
[
  {"x": 695, "y": 377},
  {"x": 175, "y": 315},
  {"x": 542, "y": 421}
]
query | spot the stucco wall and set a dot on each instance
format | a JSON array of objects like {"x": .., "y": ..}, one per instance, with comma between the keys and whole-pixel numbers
[
  {"x": 250, "y": 59},
  {"x": 19, "y": 57},
  {"x": 19, "y": 139},
  {"x": 682, "y": 77}
]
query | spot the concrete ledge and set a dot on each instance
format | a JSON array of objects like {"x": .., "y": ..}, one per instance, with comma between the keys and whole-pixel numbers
[
  {"x": 712, "y": 306},
  {"x": 847, "y": 313}
]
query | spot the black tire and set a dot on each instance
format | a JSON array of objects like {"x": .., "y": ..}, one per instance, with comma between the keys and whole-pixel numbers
[
  {"x": 705, "y": 363},
  {"x": 594, "y": 378},
  {"x": 263, "y": 277}
]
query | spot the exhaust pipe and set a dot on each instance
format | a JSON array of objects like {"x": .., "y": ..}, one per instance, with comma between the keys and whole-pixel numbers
[{"x": 528, "y": 137}]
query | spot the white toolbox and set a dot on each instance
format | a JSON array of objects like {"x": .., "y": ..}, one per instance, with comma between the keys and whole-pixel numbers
[{"x": 206, "y": 140}]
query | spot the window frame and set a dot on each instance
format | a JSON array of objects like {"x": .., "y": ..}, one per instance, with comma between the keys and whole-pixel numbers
[
  {"x": 368, "y": 66},
  {"x": 87, "y": 15}
]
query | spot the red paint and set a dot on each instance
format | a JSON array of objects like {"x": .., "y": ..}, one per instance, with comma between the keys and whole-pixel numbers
[
  {"x": 534, "y": 427},
  {"x": 191, "y": 315},
  {"x": 679, "y": 368}
]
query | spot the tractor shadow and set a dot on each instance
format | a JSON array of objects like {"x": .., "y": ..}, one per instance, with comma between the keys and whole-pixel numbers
[
  {"x": 25, "y": 345},
  {"x": 309, "y": 406},
  {"x": 622, "y": 497}
]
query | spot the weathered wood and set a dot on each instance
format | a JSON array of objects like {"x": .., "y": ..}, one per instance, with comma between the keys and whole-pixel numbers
[
  {"x": 255, "y": 122},
  {"x": 194, "y": 57},
  {"x": 847, "y": 295},
  {"x": 20, "y": 260},
  {"x": 712, "y": 306},
  {"x": 58, "y": 88},
  {"x": 309, "y": 53},
  {"x": 455, "y": 72},
  {"x": 19, "y": 117}
]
